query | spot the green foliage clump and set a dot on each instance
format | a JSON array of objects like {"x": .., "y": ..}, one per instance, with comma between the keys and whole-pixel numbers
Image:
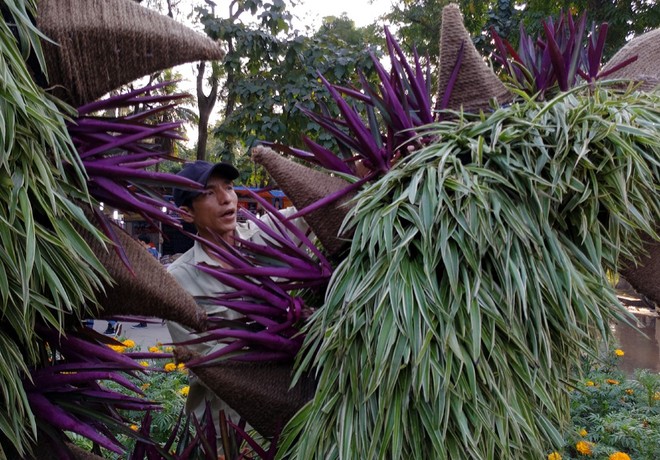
[
  {"x": 47, "y": 271},
  {"x": 477, "y": 280}
]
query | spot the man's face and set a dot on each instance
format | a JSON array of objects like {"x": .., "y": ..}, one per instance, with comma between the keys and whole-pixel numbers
[{"x": 214, "y": 211}]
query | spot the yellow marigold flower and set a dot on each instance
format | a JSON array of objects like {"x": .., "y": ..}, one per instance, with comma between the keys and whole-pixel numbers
[
  {"x": 117, "y": 348},
  {"x": 583, "y": 432},
  {"x": 144, "y": 386},
  {"x": 135, "y": 427},
  {"x": 144, "y": 364},
  {"x": 181, "y": 366},
  {"x": 619, "y": 456},
  {"x": 612, "y": 381},
  {"x": 619, "y": 352},
  {"x": 554, "y": 456},
  {"x": 656, "y": 396},
  {"x": 169, "y": 367},
  {"x": 185, "y": 390},
  {"x": 154, "y": 349},
  {"x": 630, "y": 391},
  {"x": 169, "y": 349},
  {"x": 590, "y": 383},
  {"x": 128, "y": 343},
  {"x": 584, "y": 447}
]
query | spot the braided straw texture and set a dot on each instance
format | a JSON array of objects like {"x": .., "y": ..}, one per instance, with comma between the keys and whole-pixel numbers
[
  {"x": 477, "y": 84},
  {"x": 148, "y": 291},
  {"x": 646, "y": 68},
  {"x": 305, "y": 186},
  {"x": 259, "y": 391},
  {"x": 104, "y": 44}
]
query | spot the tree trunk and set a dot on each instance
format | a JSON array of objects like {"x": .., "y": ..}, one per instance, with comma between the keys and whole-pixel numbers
[{"x": 205, "y": 106}]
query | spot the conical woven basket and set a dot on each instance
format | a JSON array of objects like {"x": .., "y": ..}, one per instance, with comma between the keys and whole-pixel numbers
[
  {"x": 103, "y": 44},
  {"x": 477, "y": 84},
  {"x": 305, "y": 186},
  {"x": 646, "y": 68},
  {"x": 259, "y": 391},
  {"x": 148, "y": 291}
]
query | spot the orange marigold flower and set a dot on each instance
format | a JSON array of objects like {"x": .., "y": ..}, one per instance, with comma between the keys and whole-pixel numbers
[
  {"x": 169, "y": 367},
  {"x": 584, "y": 447},
  {"x": 583, "y": 432},
  {"x": 619, "y": 456},
  {"x": 154, "y": 349},
  {"x": 135, "y": 427},
  {"x": 554, "y": 456},
  {"x": 144, "y": 386},
  {"x": 619, "y": 352},
  {"x": 630, "y": 391},
  {"x": 612, "y": 381}
]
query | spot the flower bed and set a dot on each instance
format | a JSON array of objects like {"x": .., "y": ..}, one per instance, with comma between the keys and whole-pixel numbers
[{"x": 613, "y": 416}]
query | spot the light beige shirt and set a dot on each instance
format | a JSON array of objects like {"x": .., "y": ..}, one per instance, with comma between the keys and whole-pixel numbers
[{"x": 200, "y": 285}]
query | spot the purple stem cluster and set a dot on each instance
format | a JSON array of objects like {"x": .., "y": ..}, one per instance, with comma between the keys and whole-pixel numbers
[
  {"x": 67, "y": 394},
  {"x": 393, "y": 110},
  {"x": 557, "y": 58},
  {"x": 116, "y": 152}
]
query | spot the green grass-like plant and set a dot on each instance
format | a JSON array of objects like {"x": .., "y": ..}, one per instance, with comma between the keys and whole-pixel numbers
[
  {"x": 477, "y": 280},
  {"x": 48, "y": 273}
]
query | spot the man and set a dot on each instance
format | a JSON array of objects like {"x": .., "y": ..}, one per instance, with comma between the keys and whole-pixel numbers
[{"x": 213, "y": 211}]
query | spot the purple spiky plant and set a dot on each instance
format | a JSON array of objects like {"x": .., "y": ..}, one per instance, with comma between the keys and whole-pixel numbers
[
  {"x": 556, "y": 59},
  {"x": 116, "y": 152},
  {"x": 68, "y": 394},
  {"x": 377, "y": 121}
]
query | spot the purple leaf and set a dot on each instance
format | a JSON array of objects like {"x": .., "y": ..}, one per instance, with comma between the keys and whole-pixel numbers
[
  {"x": 59, "y": 418},
  {"x": 452, "y": 78}
]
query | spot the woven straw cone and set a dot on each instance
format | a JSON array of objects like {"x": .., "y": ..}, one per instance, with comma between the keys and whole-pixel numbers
[
  {"x": 109, "y": 43},
  {"x": 44, "y": 450},
  {"x": 645, "y": 276},
  {"x": 259, "y": 391},
  {"x": 149, "y": 291},
  {"x": 305, "y": 186},
  {"x": 646, "y": 68},
  {"x": 476, "y": 84}
]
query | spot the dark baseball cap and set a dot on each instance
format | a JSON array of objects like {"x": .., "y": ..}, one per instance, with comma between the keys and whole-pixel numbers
[{"x": 200, "y": 171}]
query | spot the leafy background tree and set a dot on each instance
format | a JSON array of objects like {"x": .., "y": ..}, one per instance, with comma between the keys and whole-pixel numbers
[{"x": 271, "y": 73}]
